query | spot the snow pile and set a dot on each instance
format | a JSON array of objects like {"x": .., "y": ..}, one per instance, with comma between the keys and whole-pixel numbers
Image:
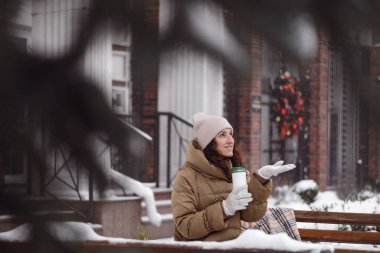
[
  {"x": 259, "y": 240},
  {"x": 20, "y": 233},
  {"x": 365, "y": 202},
  {"x": 249, "y": 239},
  {"x": 64, "y": 231},
  {"x": 305, "y": 185}
]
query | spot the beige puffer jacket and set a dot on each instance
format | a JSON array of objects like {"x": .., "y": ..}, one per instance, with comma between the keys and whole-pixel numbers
[{"x": 197, "y": 196}]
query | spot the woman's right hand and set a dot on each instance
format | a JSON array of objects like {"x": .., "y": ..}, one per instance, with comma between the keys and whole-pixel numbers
[{"x": 238, "y": 199}]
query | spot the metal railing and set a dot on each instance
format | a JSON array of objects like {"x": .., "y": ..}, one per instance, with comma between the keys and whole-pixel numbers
[
  {"x": 172, "y": 121},
  {"x": 67, "y": 170},
  {"x": 64, "y": 162},
  {"x": 170, "y": 137}
]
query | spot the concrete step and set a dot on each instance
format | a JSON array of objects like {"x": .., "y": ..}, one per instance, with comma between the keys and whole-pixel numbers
[
  {"x": 162, "y": 193},
  {"x": 163, "y": 206},
  {"x": 46, "y": 204},
  {"x": 166, "y": 229},
  {"x": 163, "y": 201}
]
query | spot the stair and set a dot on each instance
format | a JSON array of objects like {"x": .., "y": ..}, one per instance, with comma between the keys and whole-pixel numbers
[
  {"x": 116, "y": 218},
  {"x": 163, "y": 205}
]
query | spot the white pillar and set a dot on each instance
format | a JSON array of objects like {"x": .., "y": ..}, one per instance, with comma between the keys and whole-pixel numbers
[{"x": 189, "y": 81}]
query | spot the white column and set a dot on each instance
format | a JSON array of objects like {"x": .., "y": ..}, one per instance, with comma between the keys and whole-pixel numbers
[{"x": 189, "y": 81}]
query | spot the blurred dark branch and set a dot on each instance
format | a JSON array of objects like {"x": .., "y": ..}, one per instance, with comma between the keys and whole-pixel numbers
[{"x": 73, "y": 110}]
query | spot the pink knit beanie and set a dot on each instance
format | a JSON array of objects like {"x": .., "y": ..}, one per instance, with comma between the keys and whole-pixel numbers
[{"x": 207, "y": 127}]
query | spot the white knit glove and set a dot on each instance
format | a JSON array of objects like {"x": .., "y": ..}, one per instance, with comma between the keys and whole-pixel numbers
[
  {"x": 268, "y": 171},
  {"x": 236, "y": 200}
]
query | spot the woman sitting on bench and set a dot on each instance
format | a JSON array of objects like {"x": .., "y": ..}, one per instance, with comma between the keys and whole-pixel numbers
[{"x": 204, "y": 205}]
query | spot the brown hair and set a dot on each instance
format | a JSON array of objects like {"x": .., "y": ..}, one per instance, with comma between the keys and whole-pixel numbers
[{"x": 223, "y": 162}]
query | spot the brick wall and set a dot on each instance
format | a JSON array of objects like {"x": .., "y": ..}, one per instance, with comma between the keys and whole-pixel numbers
[
  {"x": 374, "y": 152},
  {"x": 144, "y": 65},
  {"x": 374, "y": 123},
  {"x": 145, "y": 88},
  {"x": 318, "y": 128},
  {"x": 254, "y": 133}
]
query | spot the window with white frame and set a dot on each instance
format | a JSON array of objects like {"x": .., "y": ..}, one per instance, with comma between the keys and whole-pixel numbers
[{"x": 121, "y": 81}]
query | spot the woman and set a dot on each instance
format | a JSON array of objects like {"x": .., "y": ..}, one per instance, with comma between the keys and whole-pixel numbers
[{"x": 204, "y": 206}]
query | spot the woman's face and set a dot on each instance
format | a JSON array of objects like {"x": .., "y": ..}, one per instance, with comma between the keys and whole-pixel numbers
[{"x": 225, "y": 142}]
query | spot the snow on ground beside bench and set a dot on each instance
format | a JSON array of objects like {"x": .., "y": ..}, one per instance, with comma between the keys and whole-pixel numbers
[
  {"x": 249, "y": 239},
  {"x": 327, "y": 200}
]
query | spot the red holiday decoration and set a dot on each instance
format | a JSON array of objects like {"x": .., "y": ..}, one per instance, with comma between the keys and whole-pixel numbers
[{"x": 288, "y": 111}]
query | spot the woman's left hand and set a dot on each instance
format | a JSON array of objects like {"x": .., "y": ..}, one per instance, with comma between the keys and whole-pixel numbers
[{"x": 268, "y": 171}]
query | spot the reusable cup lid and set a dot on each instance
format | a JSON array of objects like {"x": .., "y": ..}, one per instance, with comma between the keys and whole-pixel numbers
[{"x": 238, "y": 169}]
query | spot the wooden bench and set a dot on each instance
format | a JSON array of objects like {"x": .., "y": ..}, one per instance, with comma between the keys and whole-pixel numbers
[
  {"x": 107, "y": 247},
  {"x": 339, "y": 236}
]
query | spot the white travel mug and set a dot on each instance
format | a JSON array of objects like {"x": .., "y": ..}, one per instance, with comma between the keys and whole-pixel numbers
[{"x": 239, "y": 177}]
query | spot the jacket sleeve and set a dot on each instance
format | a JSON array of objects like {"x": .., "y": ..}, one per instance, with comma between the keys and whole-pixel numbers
[
  {"x": 258, "y": 206},
  {"x": 192, "y": 223}
]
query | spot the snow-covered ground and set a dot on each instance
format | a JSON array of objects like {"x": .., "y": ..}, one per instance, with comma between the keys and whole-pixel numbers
[
  {"x": 365, "y": 202},
  {"x": 284, "y": 197}
]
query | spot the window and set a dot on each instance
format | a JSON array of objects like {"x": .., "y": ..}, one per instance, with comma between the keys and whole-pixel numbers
[{"x": 121, "y": 84}]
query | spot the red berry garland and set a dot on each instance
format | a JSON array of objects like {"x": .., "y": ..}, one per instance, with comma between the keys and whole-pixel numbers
[{"x": 288, "y": 111}]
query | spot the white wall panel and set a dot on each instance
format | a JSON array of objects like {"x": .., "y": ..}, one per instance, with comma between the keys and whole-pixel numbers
[
  {"x": 55, "y": 26},
  {"x": 189, "y": 81}
]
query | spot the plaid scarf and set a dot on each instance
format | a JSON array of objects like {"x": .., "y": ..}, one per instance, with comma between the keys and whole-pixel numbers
[{"x": 276, "y": 220}]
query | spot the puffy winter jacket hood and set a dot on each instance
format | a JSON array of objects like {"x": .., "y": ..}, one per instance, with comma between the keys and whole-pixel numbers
[{"x": 196, "y": 159}]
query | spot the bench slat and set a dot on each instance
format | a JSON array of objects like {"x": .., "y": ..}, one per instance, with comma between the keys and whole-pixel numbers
[
  {"x": 107, "y": 247},
  {"x": 337, "y": 218},
  {"x": 320, "y": 235},
  {"x": 354, "y": 251}
]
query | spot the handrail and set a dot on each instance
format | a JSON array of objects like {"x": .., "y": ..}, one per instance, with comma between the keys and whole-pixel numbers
[
  {"x": 171, "y": 118},
  {"x": 138, "y": 188},
  {"x": 74, "y": 180},
  {"x": 158, "y": 138},
  {"x": 137, "y": 131},
  {"x": 176, "y": 117},
  {"x": 61, "y": 164}
]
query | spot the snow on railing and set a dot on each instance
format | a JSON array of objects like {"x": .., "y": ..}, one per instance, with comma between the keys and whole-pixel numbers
[
  {"x": 144, "y": 192},
  {"x": 137, "y": 130}
]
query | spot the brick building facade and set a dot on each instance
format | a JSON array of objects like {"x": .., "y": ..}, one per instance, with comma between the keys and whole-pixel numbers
[
  {"x": 239, "y": 91},
  {"x": 318, "y": 126}
]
